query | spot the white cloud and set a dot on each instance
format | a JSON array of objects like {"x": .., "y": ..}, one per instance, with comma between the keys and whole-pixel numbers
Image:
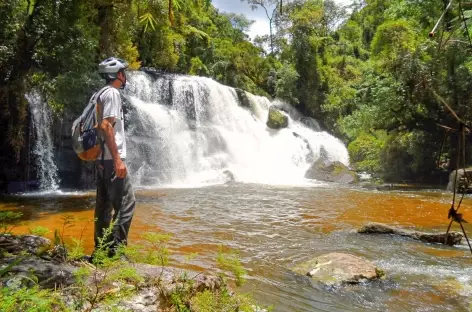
[
  {"x": 261, "y": 22},
  {"x": 259, "y": 28}
]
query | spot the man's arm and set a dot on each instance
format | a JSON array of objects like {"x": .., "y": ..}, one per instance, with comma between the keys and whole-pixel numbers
[{"x": 108, "y": 132}]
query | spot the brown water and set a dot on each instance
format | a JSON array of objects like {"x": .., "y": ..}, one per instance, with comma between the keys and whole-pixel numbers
[{"x": 275, "y": 228}]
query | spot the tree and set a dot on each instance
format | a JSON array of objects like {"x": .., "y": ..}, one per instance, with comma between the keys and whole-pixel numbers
[{"x": 268, "y": 6}]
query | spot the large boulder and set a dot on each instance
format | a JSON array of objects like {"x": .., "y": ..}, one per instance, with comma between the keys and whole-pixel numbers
[
  {"x": 336, "y": 269},
  {"x": 464, "y": 181},
  {"x": 453, "y": 238},
  {"x": 277, "y": 119},
  {"x": 331, "y": 171}
]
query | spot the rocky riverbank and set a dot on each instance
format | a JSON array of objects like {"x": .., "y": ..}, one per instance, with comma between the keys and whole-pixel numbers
[{"x": 36, "y": 272}]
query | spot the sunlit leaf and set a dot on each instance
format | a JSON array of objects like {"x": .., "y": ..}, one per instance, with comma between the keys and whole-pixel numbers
[{"x": 148, "y": 20}]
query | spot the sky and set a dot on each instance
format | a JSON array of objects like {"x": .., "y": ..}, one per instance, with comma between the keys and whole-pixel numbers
[{"x": 261, "y": 25}]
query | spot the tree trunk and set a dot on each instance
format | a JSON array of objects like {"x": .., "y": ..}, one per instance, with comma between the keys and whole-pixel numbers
[{"x": 105, "y": 15}]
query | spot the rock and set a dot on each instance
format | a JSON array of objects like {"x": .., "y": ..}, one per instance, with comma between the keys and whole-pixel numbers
[
  {"x": 310, "y": 156},
  {"x": 207, "y": 282},
  {"x": 243, "y": 98},
  {"x": 24, "y": 262},
  {"x": 23, "y": 267},
  {"x": 277, "y": 119},
  {"x": 30, "y": 243},
  {"x": 146, "y": 300},
  {"x": 379, "y": 228},
  {"x": 48, "y": 274},
  {"x": 331, "y": 171},
  {"x": 169, "y": 278},
  {"x": 335, "y": 269},
  {"x": 20, "y": 187},
  {"x": 311, "y": 123},
  {"x": 461, "y": 185},
  {"x": 149, "y": 298},
  {"x": 229, "y": 176},
  {"x": 324, "y": 153}
]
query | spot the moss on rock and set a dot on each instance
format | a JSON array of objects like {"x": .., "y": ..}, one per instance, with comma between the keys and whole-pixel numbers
[{"x": 277, "y": 119}]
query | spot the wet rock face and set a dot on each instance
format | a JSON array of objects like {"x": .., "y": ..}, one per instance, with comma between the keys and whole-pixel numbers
[
  {"x": 243, "y": 98},
  {"x": 453, "y": 238},
  {"x": 331, "y": 171},
  {"x": 336, "y": 269}
]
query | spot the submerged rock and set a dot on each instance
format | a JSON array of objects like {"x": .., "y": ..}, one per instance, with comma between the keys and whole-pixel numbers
[
  {"x": 335, "y": 269},
  {"x": 454, "y": 238},
  {"x": 277, "y": 119},
  {"x": 331, "y": 171}
]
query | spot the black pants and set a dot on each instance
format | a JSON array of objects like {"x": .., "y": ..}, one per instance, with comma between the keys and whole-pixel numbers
[{"x": 114, "y": 194}]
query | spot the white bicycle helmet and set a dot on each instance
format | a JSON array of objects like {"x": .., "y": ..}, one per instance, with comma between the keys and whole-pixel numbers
[{"x": 110, "y": 67}]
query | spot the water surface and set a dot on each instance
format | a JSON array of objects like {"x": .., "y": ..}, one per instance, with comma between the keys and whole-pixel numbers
[{"x": 276, "y": 227}]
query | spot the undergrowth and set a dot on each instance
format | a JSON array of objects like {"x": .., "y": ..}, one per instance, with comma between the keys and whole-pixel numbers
[{"x": 107, "y": 280}]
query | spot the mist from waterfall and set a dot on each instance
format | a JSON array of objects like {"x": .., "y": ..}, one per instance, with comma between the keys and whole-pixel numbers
[
  {"x": 43, "y": 147},
  {"x": 191, "y": 131}
]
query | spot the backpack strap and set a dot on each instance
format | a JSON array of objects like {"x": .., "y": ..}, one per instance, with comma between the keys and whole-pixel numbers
[{"x": 99, "y": 117}]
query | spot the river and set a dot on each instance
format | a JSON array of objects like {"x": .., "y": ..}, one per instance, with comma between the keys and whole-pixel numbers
[{"x": 276, "y": 227}]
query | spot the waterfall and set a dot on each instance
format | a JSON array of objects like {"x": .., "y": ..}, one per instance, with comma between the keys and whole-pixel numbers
[
  {"x": 187, "y": 131},
  {"x": 43, "y": 149}
]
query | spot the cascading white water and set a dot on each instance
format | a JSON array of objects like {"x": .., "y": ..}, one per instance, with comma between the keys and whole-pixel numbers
[
  {"x": 43, "y": 149},
  {"x": 191, "y": 131}
]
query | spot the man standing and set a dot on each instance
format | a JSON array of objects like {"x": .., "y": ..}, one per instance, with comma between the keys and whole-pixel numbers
[{"x": 114, "y": 189}]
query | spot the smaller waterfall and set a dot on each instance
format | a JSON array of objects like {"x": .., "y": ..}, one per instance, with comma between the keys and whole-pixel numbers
[{"x": 43, "y": 149}]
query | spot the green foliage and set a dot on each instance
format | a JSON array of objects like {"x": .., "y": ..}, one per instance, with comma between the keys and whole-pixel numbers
[
  {"x": 148, "y": 20},
  {"x": 287, "y": 78},
  {"x": 9, "y": 220},
  {"x": 229, "y": 261},
  {"x": 31, "y": 299},
  {"x": 392, "y": 41},
  {"x": 77, "y": 250},
  {"x": 360, "y": 73},
  {"x": 95, "y": 285},
  {"x": 126, "y": 274},
  {"x": 408, "y": 153},
  {"x": 40, "y": 230},
  {"x": 208, "y": 301},
  {"x": 365, "y": 152},
  {"x": 197, "y": 67},
  {"x": 185, "y": 298}
]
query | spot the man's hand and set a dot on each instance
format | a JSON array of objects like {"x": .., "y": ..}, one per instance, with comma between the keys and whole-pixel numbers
[{"x": 120, "y": 168}]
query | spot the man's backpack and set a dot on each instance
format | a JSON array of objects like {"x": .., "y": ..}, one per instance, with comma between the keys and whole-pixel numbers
[{"x": 86, "y": 138}]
